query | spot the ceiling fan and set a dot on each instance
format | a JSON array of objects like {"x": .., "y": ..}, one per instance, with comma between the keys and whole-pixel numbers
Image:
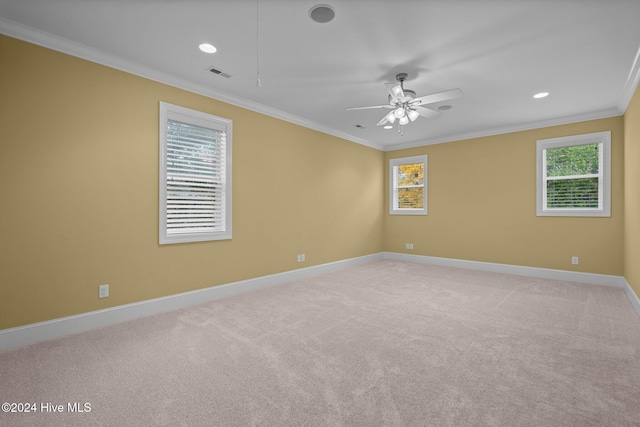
[{"x": 404, "y": 105}]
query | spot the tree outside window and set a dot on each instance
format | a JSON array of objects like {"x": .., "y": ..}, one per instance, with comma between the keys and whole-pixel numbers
[
  {"x": 408, "y": 194},
  {"x": 574, "y": 175}
]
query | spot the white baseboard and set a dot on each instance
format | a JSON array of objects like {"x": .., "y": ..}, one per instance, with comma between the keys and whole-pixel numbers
[
  {"x": 29, "y": 334},
  {"x": 635, "y": 301},
  {"x": 543, "y": 273}
]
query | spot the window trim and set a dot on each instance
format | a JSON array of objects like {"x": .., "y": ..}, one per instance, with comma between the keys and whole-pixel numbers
[
  {"x": 197, "y": 118},
  {"x": 393, "y": 199},
  {"x": 603, "y": 139}
]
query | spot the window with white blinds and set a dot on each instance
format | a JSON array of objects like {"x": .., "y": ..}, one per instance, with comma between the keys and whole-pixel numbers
[
  {"x": 195, "y": 176},
  {"x": 408, "y": 186},
  {"x": 574, "y": 176}
]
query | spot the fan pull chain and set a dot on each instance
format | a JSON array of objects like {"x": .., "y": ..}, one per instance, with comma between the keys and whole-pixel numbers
[{"x": 258, "y": 82}]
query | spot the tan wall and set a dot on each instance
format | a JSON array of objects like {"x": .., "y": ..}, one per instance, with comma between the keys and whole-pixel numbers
[
  {"x": 79, "y": 195},
  {"x": 632, "y": 193},
  {"x": 482, "y": 206},
  {"x": 79, "y": 191}
]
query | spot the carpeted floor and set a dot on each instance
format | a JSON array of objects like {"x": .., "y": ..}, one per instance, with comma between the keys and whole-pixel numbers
[{"x": 385, "y": 344}]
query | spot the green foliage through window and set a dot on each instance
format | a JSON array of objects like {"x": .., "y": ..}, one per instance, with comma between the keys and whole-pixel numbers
[
  {"x": 572, "y": 176},
  {"x": 573, "y": 160},
  {"x": 572, "y": 193}
]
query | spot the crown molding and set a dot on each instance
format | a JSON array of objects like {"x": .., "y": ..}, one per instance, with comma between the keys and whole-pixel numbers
[
  {"x": 631, "y": 85},
  {"x": 604, "y": 114},
  {"x": 60, "y": 44}
]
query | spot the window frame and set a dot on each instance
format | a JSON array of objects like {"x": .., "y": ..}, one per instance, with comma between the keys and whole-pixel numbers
[
  {"x": 603, "y": 139},
  {"x": 393, "y": 194},
  {"x": 205, "y": 120}
]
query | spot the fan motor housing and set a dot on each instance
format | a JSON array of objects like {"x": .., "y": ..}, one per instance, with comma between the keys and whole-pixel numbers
[{"x": 408, "y": 93}]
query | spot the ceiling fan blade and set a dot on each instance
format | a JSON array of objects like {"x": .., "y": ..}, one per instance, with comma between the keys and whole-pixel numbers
[
  {"x": 371, "y": 107},
  {"x": 395, "y": 90},
  {"x": 426, "y": 112},
  {"x": 383, "y": 121},
  {"x": 437, "y": 97}
]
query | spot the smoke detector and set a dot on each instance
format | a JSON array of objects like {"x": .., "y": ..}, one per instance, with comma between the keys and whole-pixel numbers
[{"x": 322, "y": 13}]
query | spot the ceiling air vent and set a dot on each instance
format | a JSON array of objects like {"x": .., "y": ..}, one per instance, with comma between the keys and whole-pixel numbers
[{"x": 220, "y": 73}]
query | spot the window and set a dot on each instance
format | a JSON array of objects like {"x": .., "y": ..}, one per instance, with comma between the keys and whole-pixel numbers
[
  {"x": 408, "y": 195},
  {"x": 574, "y": 175},
  {"x": 195, "y": 176}
]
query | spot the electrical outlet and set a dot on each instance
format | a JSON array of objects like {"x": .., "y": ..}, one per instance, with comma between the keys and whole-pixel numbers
[
  {"x": 409, "y": 246},
  {"x": 103, "y": 291},
  {"x": 301, "y": 258},
  {"x": 575, "y": 260}
]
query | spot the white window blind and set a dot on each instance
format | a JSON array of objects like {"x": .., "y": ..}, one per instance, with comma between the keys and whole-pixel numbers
[
  {"x": 195, "y": 182},
  {"x": 195, "y": 179}
]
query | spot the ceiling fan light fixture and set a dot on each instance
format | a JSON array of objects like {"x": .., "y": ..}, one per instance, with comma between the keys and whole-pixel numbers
[
  {"x": 405, "y": 107},
  {"x": 391, "y": 117}
]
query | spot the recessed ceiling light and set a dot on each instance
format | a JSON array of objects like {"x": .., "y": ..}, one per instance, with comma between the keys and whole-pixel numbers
[
  {"x": 541, "y": 95},
  {"x": 207, "y": 48},
  {"x": 388, "y": 127},
  {"x": 322, "y": 13},
  {"x": 444, "y": 107}
]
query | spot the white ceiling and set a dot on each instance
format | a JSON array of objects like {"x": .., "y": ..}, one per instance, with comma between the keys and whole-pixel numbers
[{"x": 498, "y": 52}]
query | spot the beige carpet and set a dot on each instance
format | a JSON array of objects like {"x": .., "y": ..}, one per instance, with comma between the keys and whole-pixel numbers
[{"x": 386, "y": 344}]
